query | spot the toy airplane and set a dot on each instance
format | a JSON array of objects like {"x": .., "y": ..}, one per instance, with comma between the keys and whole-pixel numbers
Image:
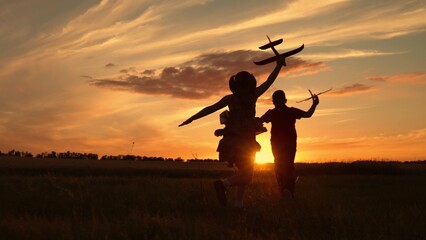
[
  {"x": 306, "y": 99},
  {"x": 274, "y": 58}
]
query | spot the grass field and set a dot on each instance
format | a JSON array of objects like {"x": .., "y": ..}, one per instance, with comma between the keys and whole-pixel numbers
[{"x": 88, "y": 199}]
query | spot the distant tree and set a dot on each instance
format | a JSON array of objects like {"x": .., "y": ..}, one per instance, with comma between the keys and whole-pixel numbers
[
  {"x": 11, "y": 152},
  {"x": 93, "y": 156},
  {"x": 28, "y": 155},
  {"x": 129, "y": 157},
  {"x": 17, "y": 154}
]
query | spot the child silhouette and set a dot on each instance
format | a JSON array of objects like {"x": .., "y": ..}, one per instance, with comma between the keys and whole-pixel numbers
[
  {"x": 284, "y": 138},
  {"x": 240, "y": 129}
]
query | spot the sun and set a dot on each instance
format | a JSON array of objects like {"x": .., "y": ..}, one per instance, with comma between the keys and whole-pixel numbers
[{"x": 265, "y": 154}]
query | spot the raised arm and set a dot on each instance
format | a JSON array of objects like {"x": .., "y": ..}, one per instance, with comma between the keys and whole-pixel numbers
[
  {"x": 271, "y": 79},
  {"x": 315, "y": 102},
  {"x": 208, "y": 110}
]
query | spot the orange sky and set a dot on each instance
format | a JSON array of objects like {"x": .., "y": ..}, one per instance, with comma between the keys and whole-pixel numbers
[{"x": 95, "y": 76}]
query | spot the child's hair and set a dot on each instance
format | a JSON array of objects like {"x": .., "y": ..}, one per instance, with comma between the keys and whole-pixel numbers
[
  {"x": 278, "y": 98},
  {"x": 242, "y": 82},
  {"x": 232, "y": 84}
]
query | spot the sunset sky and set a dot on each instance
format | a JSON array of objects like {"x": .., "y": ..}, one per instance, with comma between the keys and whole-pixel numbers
[{"x": 96, "y": 76}]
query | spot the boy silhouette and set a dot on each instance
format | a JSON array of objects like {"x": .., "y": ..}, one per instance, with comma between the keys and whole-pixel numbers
[{"x": 284, "y": 137}]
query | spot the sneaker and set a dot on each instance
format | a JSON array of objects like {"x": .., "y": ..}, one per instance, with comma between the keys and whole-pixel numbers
[{"x": 220, "y": 192}]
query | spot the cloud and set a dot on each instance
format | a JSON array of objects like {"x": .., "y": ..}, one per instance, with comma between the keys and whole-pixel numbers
[
  {"x": 348, "y": 53},
  {"x": 411, "y": 78},
  {"x": 339, "y": 111},
  {"x": 239, "y": 22},
  {"x": 128, "y": 70},
  {"x": 310, "y": 68},
  {"x": 353, "y": 88},
  {"x": 203, "y": 76},
  {"x": 354, "y": 20},
  {"x": 149, "y": 72},
  {"x": 110, "y": 65}
]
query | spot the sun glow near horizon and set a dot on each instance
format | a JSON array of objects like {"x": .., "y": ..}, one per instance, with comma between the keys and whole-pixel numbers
[{"x": 265, "y": 154}]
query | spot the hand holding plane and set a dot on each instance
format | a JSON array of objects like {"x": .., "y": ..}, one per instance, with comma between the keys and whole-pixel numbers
[{"x": 313, "y": 96}]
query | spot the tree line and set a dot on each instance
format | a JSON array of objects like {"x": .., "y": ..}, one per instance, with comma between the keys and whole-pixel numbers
[{"x": 94, "y": 156}]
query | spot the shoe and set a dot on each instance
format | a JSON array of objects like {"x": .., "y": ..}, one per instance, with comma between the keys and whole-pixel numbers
[{"x": 220, "y": 192}]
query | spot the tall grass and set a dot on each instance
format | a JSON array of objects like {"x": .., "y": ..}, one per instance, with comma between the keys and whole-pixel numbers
[{"x": 147, "y": 201}]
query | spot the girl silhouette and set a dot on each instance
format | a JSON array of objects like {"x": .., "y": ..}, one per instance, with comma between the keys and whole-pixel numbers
[{"x": 240, "y": 130}]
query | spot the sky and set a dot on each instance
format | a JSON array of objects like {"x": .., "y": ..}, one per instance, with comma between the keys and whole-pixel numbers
[{"x": 118, "y": 76}]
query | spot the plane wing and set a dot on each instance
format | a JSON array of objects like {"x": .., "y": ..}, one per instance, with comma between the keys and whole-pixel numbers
[
  {"x": 286, "y": 54},
  {"x": 271, "y": 44}
]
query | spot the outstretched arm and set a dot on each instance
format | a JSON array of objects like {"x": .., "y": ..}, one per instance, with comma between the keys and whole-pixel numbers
[
  {"x": 315, "y": 102},
  {"x": 274, "y": 74},
  {"x": 208, "y": 110}
]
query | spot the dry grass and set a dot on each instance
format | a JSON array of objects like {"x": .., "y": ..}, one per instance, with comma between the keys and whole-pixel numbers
[{"x": 76, "y": 199}]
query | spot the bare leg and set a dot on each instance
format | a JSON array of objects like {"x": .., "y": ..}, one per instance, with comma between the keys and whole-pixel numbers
[
  {"x": 243, "y": 177},
  {"x": 240, "y": 181}
]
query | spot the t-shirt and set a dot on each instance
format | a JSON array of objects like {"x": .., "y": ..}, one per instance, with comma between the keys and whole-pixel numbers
[{"x": 283, "y": 121}]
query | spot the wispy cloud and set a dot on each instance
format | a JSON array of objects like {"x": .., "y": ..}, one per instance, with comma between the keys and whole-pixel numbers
[
  {"x": 378, "y": 20},
  {"x": 287, "y": 12},
  {"x": 338, "y": 111},
  {"x": 353, "y": 89},
  {"x": 410, "y": 78},
  {"x": 202, "y": 77},
  {"x": 310, "y": 68},
  {"x": 348, "y": 53},
  {"x": 146, "y": 31}
]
